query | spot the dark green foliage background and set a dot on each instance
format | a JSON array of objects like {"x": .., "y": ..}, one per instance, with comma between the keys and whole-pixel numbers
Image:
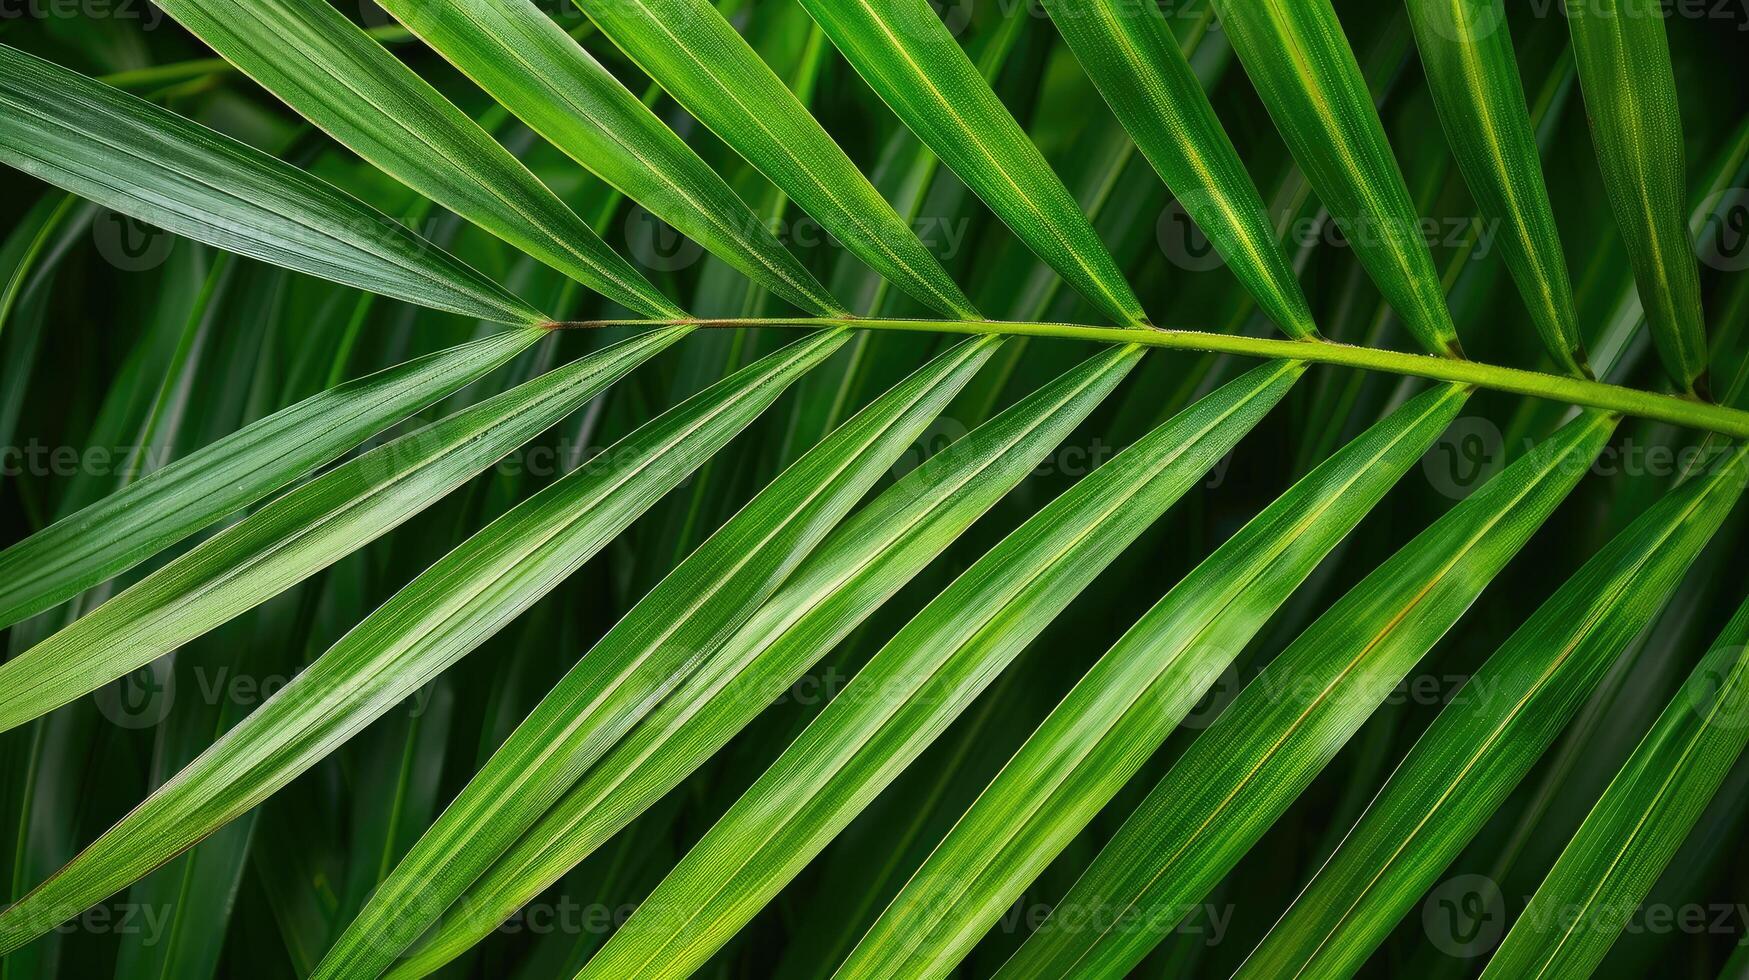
[{"x": 93, "y": 345}]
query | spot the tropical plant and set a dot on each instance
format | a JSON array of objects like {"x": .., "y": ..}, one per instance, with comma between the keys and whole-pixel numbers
[{"x": 745, "y": 383}]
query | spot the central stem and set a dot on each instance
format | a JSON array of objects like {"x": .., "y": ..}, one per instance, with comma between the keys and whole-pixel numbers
[{"x": 1675, "y": 410}]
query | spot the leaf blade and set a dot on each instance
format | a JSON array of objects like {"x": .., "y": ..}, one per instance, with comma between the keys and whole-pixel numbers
[
  {"x": 152, "y": 164},
  {"x": 1127, "y": 704},
  {"x": 1372, "y": 635},
  {"x": 690, "y": 50},
  {"x": 1303, "y": 69},
  {"x": 332, "y": 73},
  {"x": 907, "y": 56},
  {"x": 1480, "y": 746},
  {"x": 532, "y": 67},
  {"x": 922, "y": 678},
  {"x": 1131, "y": 56},
  {"x": 1472, "y": 71},
  {"x": 1629, "y": 85}
]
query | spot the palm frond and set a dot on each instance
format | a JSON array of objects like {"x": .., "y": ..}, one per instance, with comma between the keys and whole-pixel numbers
[
  {"x": 1102, "y": 732},
  {"x": 1298, "y": 58},
  {"x": 1028, "y": 546},
  {"x": 1268, "y": 744},
  {"x": 856, "y": 570},
  {"x": 1630, "y": 95},
  {"x": 308, "y": 54},
  {"x": 141, "y": 160},
  {"x": 1463, "y": 767},
  {"x": 687, "y": 47},
  {"x": 1636, "y": 827}
]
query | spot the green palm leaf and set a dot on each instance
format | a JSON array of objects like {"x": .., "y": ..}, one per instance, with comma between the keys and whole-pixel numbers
[
  {"x": 24, "y": 246},
  {"x": 531, "y": 66},
  {"x": 907, "y": 55},
  {"x": 1486, "y": 741},
  {"x": 438, "y": 618},
  {"x": 1100, "y": 735},
  {"x": 299, "y": 534},
  {"x": 1635, "y": 829},
  {"x": 687, "y": 47},
  {"x": 848, "y": 577},
  {"x": 646, "y": 654},
  {"x": 169, "y": 504},
  {"x": 1472, "y": 71},
  {"x": 1265, "y": 748},
  {"x": 1630, "y": 95},
  {"x": 1130, "y": 54},
  {"x": 333, "y": 74},
  {"x": 1296, "y": 55},
  {"x": 129, "y": 155},
  {"x": 187, "y": 487},
  {"x": 921, "y": 680}
]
